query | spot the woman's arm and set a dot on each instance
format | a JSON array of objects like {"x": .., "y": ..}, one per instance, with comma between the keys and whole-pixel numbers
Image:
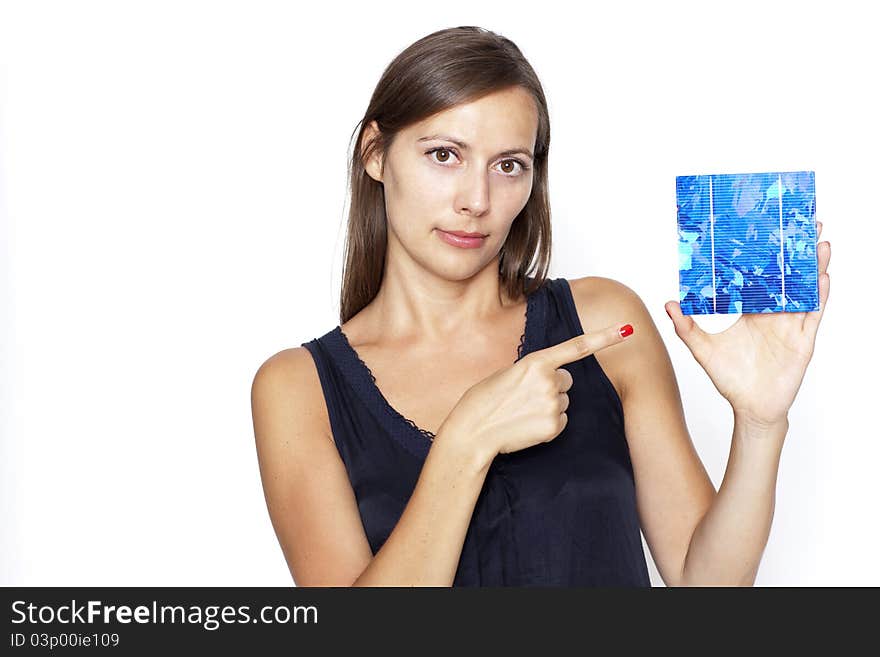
[
  {"x": 312, "y": 504},
  {"x": 425, "y": 546},
  {"x": 698, "y": 536},
  {"x": 730, "y": 539}
]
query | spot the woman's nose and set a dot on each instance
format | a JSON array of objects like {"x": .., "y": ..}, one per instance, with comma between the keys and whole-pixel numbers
[{"x": 474, "y": 193}]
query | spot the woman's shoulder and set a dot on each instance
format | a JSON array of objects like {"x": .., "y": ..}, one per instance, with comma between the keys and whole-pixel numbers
[
  {"x": 603, "y": 302},
  {"x": 600, "y": 295},
  {"x": 291, "y": 371},
  {"x": 290, "y": 378}
]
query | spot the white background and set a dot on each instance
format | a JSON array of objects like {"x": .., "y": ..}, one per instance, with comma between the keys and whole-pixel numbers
[{"x": 172, "y": 199}]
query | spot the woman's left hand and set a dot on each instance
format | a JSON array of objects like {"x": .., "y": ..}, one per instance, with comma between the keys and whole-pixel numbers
[{"x": 758, "y": 364}]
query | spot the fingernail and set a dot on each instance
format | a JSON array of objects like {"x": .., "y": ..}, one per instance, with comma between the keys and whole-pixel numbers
[{"x": 625, "y": 330}]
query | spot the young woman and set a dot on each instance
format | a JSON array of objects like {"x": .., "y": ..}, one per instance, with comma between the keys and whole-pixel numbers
[{"x": 470, "y": 424}]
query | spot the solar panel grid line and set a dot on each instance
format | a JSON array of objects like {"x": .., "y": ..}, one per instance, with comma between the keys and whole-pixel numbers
[
  {"x": 712, "y": 226},
  {"x": 781, "y": 240}
]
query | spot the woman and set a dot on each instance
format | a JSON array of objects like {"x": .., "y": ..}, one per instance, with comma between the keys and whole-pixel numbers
[{"x": 470, "y": 424}]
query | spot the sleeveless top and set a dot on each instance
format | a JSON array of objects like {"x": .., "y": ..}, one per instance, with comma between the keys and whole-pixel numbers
[{"x": 561, "y": 513}]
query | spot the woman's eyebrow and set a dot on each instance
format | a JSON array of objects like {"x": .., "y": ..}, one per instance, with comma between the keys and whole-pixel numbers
[{"x": 464, "y": 146}]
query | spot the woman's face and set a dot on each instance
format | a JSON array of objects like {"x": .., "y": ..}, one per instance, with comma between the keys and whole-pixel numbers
[{"x": 433, "y": 184}]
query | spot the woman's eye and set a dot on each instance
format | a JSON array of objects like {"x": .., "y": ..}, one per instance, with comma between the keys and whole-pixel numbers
[
  {"x": 443, "y": 156},
  {"x": 514, "y": 163},
  {"x": 444, "y": 151}
]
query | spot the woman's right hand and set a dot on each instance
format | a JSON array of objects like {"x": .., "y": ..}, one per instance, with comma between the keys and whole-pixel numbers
[{"x": 523, "y": 404}]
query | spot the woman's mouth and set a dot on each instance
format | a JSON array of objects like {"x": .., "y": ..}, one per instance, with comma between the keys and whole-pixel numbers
[{"x": 461, "y": 240}]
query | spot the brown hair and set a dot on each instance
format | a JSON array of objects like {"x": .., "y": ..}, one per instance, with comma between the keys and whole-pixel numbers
[{"x": 441, "y": 70}]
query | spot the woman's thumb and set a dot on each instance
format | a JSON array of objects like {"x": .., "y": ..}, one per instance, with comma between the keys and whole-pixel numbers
[{"x": 685, "y": 327}]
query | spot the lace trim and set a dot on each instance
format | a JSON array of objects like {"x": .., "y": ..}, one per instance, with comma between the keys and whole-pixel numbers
[
  {"x": 388, "y": 407},
  {"x": 520, "y": 350},
  {"x": 393, "y": 412}
]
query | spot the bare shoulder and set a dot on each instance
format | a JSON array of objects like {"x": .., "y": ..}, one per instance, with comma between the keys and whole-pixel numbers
[
  {"x": 603, "y": 302},
  {"x": 309, "y": 496},
  {"x": 288, "y": 381},
  {"x": 608, "y": 289},
  {"x": 285, "y": 364}
]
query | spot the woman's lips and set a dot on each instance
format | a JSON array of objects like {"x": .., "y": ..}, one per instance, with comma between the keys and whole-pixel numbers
[{"x": 461, "y": 242}]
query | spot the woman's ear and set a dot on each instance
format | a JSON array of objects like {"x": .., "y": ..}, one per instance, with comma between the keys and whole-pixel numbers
[{"x": 373, "y": 163}]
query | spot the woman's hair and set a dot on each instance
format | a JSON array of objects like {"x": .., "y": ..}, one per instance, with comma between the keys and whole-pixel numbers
[{"x": 441, "y": 70}]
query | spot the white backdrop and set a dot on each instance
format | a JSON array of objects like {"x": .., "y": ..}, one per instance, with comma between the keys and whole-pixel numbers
[{"x": 172, "y": 198}]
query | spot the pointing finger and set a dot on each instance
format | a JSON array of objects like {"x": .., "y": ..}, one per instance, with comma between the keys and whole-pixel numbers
[{"x": 582, "y": 345}]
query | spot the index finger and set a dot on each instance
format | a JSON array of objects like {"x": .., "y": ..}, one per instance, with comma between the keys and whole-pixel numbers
[{"x": 583, "y": 345}]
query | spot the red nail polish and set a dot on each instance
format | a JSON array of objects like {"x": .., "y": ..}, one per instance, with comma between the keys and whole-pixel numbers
[{"x": 625, "y": 330}]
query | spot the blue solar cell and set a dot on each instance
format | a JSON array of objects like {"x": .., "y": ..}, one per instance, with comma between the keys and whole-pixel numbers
[{"x": 747, "y": 243}]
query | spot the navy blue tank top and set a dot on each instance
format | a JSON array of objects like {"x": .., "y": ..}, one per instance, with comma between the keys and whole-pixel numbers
[{"x": 561, "y": 513}]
